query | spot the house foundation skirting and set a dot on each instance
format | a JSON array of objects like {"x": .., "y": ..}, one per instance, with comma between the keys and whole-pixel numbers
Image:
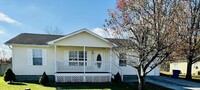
[
  {"x": 33, "y": 78},
  {"x": 63, "y": 78}
]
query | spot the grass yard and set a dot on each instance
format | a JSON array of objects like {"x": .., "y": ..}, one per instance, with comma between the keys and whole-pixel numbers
[
  {"x": 22, "y": 86},
  {"x": 77, "y": 86}
]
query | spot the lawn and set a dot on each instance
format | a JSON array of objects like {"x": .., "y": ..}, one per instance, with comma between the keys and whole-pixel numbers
[
  {"x": 76, "y": 86},
  {"x": 22, "y": 86}
]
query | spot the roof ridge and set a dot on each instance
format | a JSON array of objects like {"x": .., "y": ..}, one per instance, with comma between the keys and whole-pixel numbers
[{"x": 42, "y": 34}]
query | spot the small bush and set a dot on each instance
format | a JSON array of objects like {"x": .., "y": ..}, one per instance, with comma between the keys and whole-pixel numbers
[
  {"x": 9, "y": 76},
  {"x": 44, "y": 80},
  {"x": 117, "y": 78}
]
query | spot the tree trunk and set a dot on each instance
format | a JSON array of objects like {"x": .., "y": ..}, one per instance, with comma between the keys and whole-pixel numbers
[
  {"x": 189, "y": 70},
  {"x": 141, "y": 83}
]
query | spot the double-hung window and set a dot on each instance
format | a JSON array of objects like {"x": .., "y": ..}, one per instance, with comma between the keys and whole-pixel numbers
[
  {"x": 76, "y": 58},
  {"x": 37, "y": 56},
  {"x": 122, "y": 59}
]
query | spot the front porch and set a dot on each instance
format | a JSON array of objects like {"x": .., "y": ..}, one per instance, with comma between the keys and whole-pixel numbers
[{"x": 73, "y": 65}]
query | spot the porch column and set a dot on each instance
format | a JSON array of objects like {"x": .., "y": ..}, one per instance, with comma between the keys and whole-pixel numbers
[
  {"x": 84, "y": 58},
  {"x": 110, "y": 60},
  {"x": 55, "y": 56},
  {"x": 110, "y": 63}
]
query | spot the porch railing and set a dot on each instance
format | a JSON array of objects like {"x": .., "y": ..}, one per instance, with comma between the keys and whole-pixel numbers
[{"x": 80, "y": 67}]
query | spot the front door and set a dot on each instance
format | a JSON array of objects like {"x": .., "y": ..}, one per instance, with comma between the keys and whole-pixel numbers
[{"x": 99, "y": 58}]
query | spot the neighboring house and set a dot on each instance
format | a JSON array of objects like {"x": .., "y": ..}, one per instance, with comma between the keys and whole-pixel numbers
[
  {"x": 81, "y": 56},
  {"x": 182, "y": 66}
]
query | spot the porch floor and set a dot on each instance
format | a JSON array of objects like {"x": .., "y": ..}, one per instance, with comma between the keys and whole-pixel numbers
[{"x": 82, "y": 72}]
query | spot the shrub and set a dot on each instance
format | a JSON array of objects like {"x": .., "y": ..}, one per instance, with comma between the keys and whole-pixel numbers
[
  {"x": 117, "y": 78},
  {"x": 44, "y": 80},
  {"x": 9, "y": 76}
]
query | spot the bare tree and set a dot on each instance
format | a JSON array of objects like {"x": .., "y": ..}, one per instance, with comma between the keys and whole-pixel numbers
[
  {"x": 53, "y": 30},
  {"x": 146, "y": 31},
  {"x": 190, "y": 47}
]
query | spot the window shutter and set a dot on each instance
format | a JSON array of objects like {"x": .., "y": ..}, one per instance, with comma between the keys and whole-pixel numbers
[
  {"x": 30, "y": 57},
  {"x": 44, "y": 57}
]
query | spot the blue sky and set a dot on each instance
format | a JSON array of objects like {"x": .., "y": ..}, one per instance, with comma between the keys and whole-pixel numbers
[{"x": 32, "y": 16}]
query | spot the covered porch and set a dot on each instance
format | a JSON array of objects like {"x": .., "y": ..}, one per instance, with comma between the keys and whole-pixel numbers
[{"x": 82, "y": 64}]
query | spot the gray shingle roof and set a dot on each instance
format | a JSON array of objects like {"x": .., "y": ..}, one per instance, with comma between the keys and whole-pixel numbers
[
  {"x": 33, "y": 39},
  {"x": 42, "y": 39}
]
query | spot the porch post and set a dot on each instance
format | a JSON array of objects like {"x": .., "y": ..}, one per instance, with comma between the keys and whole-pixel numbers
[
  {"x": 55, "y": 56},
  {"x": 110, "y": 62},
  {"x": 84, "y": 77},
  {"x": 84, "y": 58}
]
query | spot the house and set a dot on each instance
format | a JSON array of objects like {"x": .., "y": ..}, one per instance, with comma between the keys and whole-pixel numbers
[
  {"x": 182, "y": 66},
  {"x": 81, "y": 56}
]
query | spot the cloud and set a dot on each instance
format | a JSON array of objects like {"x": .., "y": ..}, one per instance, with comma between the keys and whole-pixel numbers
[
  {"x": 102, "y": 32},
  {"x": 7, "y": 19},
  {"x": 2, "y": 31}
]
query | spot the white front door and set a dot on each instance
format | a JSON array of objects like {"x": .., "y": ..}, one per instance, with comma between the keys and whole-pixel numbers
[{"x": 99, "y": 58}]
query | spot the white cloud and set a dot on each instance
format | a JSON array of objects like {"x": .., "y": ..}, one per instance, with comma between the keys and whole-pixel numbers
[
  {"x": 102, "y": 32},
  {"x": 2, "y": 31},
  {"x": 7, "y": 19}
]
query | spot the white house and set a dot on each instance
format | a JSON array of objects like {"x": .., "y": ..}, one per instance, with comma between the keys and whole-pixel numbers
[
  {"x": 81, "y": 56},
  {"x": 182, "y": 66}
]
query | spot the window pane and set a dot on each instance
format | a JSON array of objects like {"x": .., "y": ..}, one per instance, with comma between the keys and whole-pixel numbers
[
  {"x": 37, "y": 61},
  {"x": 122, "y": 62},
  {"x": 73, "y": 55},
  {"x": 73, "y": 63},
  {"x": 85, "y": 54},
  {"x": 122, "y": 56},
  {"x": 37, "y": 53},
  {"x": 80, "y": 63},
  {"x": 81, "y": 54}
]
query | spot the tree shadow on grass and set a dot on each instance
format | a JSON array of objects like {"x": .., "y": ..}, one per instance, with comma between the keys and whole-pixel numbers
[{"x": 17, "y": 83}]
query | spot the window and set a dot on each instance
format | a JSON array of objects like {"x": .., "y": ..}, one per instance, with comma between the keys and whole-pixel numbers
[
  {"x": 122, "y": 59},
  {"x": 37, "y": 56},
  {"x": 76, "y": 58}
]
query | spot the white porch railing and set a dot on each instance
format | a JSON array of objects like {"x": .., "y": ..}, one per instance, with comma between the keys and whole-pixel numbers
[{"x": 89, "y": 67}]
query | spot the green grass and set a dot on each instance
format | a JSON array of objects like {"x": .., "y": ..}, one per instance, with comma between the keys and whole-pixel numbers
[
  {"x": 75, "y": 86},
  {"x": 22, "y": 85}
]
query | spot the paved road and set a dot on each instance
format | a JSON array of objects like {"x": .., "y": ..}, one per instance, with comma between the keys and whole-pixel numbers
[{"x": 172, "y": 83}]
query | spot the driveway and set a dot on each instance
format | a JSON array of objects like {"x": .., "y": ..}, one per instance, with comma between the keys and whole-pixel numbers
[{"x": 172, "y": 83}]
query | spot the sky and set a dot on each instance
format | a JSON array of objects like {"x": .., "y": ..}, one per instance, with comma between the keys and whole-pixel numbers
[{"x": 33, "y": 16}]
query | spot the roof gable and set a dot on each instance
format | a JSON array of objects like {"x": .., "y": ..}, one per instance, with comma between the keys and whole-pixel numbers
[{"x": 78, "y": 32}]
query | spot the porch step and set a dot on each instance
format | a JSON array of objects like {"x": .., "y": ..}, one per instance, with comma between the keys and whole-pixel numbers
[{"x": 130, "y": 78}]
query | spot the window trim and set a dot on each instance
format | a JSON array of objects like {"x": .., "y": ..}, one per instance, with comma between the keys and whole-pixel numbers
[
  {"x": 122, "y": 60},
  {"x": 39, "y": 57}
]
